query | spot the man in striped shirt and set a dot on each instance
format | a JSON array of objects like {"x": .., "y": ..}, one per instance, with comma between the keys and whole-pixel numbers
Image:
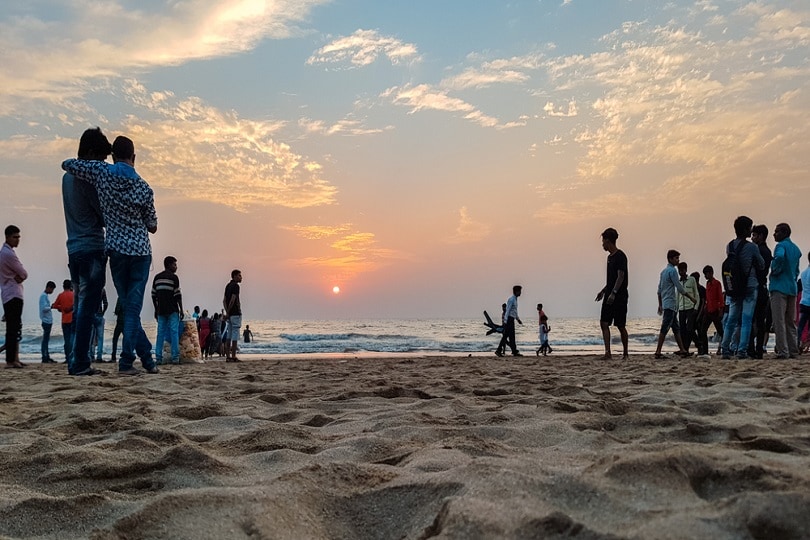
[{"x": 168, "y": 302}]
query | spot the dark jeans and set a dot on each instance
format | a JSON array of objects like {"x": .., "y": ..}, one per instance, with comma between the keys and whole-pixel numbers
[
  {"x": 762, "y": 322},
  {"x": 13, "y": 312},
  {"x": 117, "y": 331},
  {"x": 508, "y": 336},
  {"x": 686, "y": 320},
  {"x": 67, "y": 335},
  {"x": 88, "y": 274},
  {"x": 46, "y": 340},
  {"x": 130, "y": 274},
  {"x": 708, "y": 319}
]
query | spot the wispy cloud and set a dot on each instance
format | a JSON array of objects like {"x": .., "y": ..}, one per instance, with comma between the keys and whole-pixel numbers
[
  {"x": 515, "y": 70},
  {"x": 351, "y": 252},
  {"x": 364, "y": 47},
  {"x": 424, "y": 96},
  {"x": 469, "y": 230},
  {"x": 53, "y": 59},
  {"x": 202, "y": 153},
  {"x": 698, "y": 104},
  {"x": 345, "y": 127},
  {"x": 559, "y": 112}
]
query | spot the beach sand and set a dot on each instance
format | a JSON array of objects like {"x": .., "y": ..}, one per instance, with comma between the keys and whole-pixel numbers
[{"x": 415, "y": 447}]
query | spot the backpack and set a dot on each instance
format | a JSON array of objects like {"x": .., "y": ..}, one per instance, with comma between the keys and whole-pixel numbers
[{"x": 735, "y": 277}]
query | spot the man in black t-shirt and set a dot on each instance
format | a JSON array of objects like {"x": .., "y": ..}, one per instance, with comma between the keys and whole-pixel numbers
[
  {"x": 168, "y": 302},
  {"x": 614, "y": 294},
  {"x": 233, "y": 314},
  {"x": 762, "y": 311}
]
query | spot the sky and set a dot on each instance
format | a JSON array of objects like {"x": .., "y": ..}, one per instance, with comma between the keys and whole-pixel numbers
[{"x": 422, "y": 156}]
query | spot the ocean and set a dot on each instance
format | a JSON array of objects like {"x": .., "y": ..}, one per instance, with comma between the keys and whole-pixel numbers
[{"x": 418, "y": 336}]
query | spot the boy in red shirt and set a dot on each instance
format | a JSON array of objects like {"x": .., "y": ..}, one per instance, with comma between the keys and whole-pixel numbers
[{"x": 64, "y": 305}]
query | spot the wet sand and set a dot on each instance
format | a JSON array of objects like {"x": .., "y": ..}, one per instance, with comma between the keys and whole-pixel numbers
[{"x": 417, "y": 447}]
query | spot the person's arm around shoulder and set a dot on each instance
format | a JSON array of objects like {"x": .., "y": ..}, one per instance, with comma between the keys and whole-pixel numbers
[{"x": 85, "y": 170}]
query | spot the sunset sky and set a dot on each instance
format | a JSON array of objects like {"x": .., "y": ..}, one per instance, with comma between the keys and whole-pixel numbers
[{"x": 423, "y": 156}]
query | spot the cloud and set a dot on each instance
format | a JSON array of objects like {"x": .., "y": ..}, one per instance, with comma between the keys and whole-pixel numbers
[
  {"x": 469, "y": 230},
  {"x": 515, "y": 70},
  {"x": 352, "y": 253},
  {"x": 693, "y": 104},
  {"x": 317, "y": 232},
  {"x": 423, "y": 96},
  {"x": 363, "y": 48},
  {"x": 52, "y": 59},
  {"x": 345, "y": 127},
  {"x": 202, "y": 153},
  {"x": 571, "y": 111}
]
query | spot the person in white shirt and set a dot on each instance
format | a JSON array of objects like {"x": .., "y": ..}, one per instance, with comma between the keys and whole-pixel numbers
[
  {"x": 46, "y": 317},
  {"x": 511, "y": 315}
]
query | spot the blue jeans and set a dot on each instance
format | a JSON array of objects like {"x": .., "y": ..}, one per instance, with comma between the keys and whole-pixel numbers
[
  {"x": 67, "y": 335},
  {"x": 740, "y": 312},
  {"x": 46, "y": 339},
  {"x": 168, "y": 327},
  {"x": 98, "y": 335},
  {"x": 130, "y": 274},
  {"x": 88, "y": 274}
]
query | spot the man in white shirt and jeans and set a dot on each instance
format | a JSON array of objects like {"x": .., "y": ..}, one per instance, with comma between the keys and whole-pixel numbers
[{"x": 46, "y": 317}]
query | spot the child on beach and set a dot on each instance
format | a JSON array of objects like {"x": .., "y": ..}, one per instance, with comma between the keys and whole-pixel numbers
[{"x": 545, "y": 348}]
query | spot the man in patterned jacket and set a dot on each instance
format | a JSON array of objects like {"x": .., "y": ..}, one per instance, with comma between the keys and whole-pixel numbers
[{"x": 128, "y": 205}]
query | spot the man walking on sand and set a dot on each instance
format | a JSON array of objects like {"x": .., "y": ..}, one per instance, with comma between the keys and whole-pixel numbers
[
  {"x": 12, "y": 275},
  {"x": 669, "y": 284},
  {"x": 614, "y": 294},
  {"x": 233, "y": 313},
  {"x": 128, "y": 206},
  {"x": 511, "y": 316}
]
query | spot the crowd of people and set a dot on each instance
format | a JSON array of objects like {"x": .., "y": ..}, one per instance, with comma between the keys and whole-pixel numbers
[
  {"x": 109, "y": 215},
  {"x": 761, "y": 292}
]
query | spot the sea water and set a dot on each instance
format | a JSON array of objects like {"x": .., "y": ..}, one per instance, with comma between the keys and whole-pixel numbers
[{"x": 419, "y": 336}]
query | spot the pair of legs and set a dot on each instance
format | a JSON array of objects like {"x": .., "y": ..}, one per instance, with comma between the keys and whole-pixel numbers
[
  {"x": 686, "y": 320},
  {"x": 168, "y": 328},
  {"x": 614, "y": 313},
  {"x": 46, "y": 340},
  {"x": 13, "y": 312},
  {"x": 709, "y": 319},
  {"x": 234, "y": 326},
  {"x": 97, "y": 338},
  {"x": 117, "y": 331},
  {"x": 762, "y": 323},
  {"x": 508, "y": 337},
  {"x": 88, "y": 272},
  {"x": 669, "y": 320},
  {"x": 130, "y": 274},
  {"x": 740, "y": 313},
  {"x": 783, "y": 310}
]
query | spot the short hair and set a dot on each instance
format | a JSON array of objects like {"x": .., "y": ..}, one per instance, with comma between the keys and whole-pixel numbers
[
  {"x": 168, "y": 260},
  {"x": 94, "y": 144},
  {"x": 123, "y": 148},
  {"x": 234, "y": 272},
  {"x": 683, "y": 266},
  {"x": 67, "y": 284},
  {"x": 695, "y": 275},
  {"x": 761, "y": 230},
  {"x": 610, "y": 234},
  {"x": 708, "y": 269},
  {"x": 205, "y": 313},
  {"x": 516, "y": 289},
  {"x": 50, "y": 284},
  {"x": 742, "y": 225},
  {"x": 673, "y": 253},
  {"x": 785, "y": 228},
  {"x": 12, "y": 229},
  {"x": 539, "y": 307}
]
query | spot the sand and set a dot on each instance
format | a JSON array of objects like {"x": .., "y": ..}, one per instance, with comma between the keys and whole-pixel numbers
[{"x": 422, "y": 447}]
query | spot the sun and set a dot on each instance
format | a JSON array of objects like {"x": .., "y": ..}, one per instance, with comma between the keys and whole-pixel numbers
[{"x": 336, "y": 289}]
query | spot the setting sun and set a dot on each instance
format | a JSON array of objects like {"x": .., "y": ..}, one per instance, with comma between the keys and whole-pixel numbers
[{"x": 336, "y": 289}]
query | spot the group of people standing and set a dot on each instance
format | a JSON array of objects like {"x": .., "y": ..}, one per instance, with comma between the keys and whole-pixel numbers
[
  {"x": 109, "y": 215},
  {"x": 765, "y": 299}
]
